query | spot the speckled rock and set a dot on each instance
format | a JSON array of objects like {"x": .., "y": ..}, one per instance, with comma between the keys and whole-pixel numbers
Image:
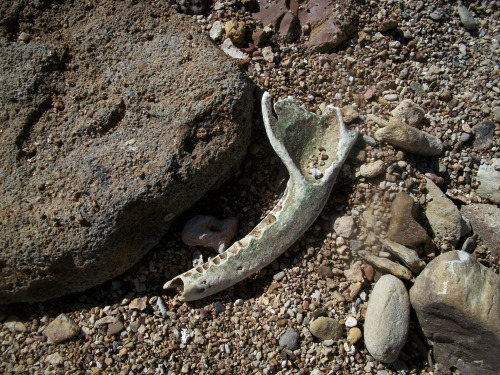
[
  {"x": 457, "y": 302},
  {"x": 326, "y": 329},
  {"x": 235, "y": 30},
  {"x": 387, "y": 319},
  {"x": 484, "y": 133},
  {"x": 118, "y": 153},
  {"x": 345, "y": 226}
]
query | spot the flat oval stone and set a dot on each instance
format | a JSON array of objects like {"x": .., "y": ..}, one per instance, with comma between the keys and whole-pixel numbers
[{"x": 387, "y": 319}]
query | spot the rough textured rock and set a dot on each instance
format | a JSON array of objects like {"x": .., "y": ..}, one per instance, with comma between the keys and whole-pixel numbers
[
  {"x": 489, "y": 179},
  {"x": 235, "y": 30},
  {"x": 329, "y": 23},
  {"x": 483, "y": 135},
  {"x": 403, "y": 228},
  {"x": 410, "y": 139},
  {"x": 442, "y": 214},
  {"x": 345, "y": 226},
  {"x": 387, "y": 319},
  {"x": 485, "y": 221},
  {"x": 458, "y": 305},
  {"x": 61, "y": 329},
  {"x": 409, "y": 112},
  {"x": 326, "y": 328},
  {"x": 108, "y": 136}
]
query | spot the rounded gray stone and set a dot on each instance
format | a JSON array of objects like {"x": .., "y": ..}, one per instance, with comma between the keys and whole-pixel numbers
[
  {"x": 387, "y": 319},
  {"x": 290, "y": 339},
  {"x": 326, "y": 329}
]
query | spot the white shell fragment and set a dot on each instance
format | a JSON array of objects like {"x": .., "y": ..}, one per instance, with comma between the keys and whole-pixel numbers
[{"x": 300, "y": 138}]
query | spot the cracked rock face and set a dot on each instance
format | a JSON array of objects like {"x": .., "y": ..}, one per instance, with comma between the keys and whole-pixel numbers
[
  {"x": 105, "y": 137},
  {"x": 457, "y": 304}
]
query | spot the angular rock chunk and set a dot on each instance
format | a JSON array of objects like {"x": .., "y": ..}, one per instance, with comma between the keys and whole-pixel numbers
[
  {"x": 387, "y": 319},
  {"x": 409, "y": 112},
  {"x": 410, "y": 139},
  {"x": 485, "y": 221},
  {"x": 484, "y": 133},
  {"x": 457, "y": 301},
  {"x": 403, "y": 228},
  {"x": 386, "y": 265},
  {"x": 102, "y": 150},
  {"x": 61, "y": 329},
  {"x": 444, "y": 217},
  {"x": 489, "y": 178},
  {"x": 406, "y": 255}
]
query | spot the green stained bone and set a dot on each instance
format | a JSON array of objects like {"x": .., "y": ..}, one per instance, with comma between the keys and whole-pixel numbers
[{"x": 296, "y": 135}]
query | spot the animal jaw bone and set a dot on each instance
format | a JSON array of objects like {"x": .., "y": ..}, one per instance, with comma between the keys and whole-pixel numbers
[{"x": 297, "y": 136}]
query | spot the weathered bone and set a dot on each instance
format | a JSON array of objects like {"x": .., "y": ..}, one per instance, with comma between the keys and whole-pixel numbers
[{"x": 299, "y": 138}]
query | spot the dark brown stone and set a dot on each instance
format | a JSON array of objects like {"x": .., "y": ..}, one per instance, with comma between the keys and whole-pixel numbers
[
  {"x": 403, "y": 228},
  {"x": 92, "y": 182}
]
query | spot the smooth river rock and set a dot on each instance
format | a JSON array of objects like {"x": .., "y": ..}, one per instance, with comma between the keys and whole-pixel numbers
[
  {"x": 108, "y": 136},
  {"x": 457, "y": 301},
  {"x": 387, "y": 319}
]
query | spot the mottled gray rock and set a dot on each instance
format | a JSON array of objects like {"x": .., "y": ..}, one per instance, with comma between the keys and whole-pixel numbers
[
  {"x": 457, "y": 301},
  {"x": 409, "y": 112},
  {"x": 466, "y": 18},
  {"x": 442, "y": 214},
  {"x": 102, "y": 150},
  {"x": 410, "y": 139},
  {"x": 485, "y": 221},
  {"x": 387, "y": 319},
  {"x": 373, "y": 169},
  {"x": 496, "y": 113},
  {"x": 290, "y": 339},
  {"x": 61, "y": 329},
  {"x": 403, "y": 228},
  {"x": 483, "y": 135},
  {"x": 488, "y": 176},
  {"x": 326, "y": 329},
  {"x": 408, "y": 256}
]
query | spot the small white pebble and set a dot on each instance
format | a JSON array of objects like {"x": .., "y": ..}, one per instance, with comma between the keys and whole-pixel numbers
[{"x": 351, "y": 322}]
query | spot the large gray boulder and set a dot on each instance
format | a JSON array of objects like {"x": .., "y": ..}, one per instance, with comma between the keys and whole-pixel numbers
[
  {"x": 457, "y": 301},
  {"x": 111, "y": 126}
]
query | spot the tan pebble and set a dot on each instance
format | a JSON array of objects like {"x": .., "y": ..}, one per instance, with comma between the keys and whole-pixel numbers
[{"x": 354, "y": 335}]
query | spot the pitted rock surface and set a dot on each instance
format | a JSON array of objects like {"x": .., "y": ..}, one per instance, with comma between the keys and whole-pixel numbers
[{"x": 106, "y": 135}]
